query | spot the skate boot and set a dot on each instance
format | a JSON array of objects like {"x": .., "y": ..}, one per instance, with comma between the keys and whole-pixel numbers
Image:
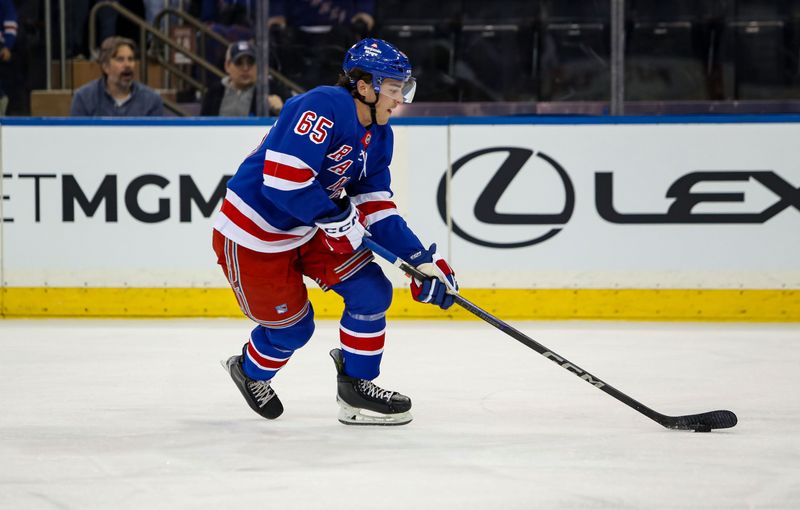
[
  {"x": 259, "y": 395},
  {"x": 363, "y": 403}
]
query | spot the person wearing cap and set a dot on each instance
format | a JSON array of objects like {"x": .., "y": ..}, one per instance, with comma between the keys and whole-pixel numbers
[
  {"x": 301, "y": 204},
  {"x": 235, "y": 94},
  {"x": 116, "y": 93}
]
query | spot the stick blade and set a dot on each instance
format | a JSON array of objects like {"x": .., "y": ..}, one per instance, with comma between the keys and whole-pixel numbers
[{"x": 703, "y": 422}]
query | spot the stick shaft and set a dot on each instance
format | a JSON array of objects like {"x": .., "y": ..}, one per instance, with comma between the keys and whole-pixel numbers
[{"x": 728, "y": 419}]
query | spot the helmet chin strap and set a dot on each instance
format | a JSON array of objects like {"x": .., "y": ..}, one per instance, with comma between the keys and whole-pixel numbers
[{"x": 372, "y": 112}]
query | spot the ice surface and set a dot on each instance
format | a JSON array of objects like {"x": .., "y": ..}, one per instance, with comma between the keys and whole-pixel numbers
[{"x": 112, "y": 414}]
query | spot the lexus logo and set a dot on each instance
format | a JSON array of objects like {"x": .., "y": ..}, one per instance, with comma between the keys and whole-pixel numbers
[{"x": 486, "y": 211}]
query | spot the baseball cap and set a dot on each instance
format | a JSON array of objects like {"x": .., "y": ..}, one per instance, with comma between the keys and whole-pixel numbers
[{"x": 240, "y": 49}]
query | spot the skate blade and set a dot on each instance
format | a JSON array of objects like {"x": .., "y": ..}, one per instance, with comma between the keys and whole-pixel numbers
[
  {"x": 225, "y": 366},
  {"x": 349, "y": 415}
]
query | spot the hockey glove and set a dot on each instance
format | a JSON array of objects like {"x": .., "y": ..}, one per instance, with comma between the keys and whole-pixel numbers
[
  {"x": 343, "y": 231},
  {"x": 442, "y": 278}
]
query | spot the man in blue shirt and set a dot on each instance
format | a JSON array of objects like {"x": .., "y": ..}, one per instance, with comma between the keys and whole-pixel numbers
[{"x": 116, "y": 93}]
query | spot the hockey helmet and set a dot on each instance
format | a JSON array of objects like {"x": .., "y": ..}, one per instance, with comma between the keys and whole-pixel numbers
[{"x": 382, "y": 60}]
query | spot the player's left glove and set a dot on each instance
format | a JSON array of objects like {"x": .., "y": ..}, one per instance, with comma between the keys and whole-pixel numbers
[{"x": 433, "y": 290}]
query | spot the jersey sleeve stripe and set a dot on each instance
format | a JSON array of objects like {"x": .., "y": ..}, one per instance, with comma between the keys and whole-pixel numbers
[
  {"x": 375, "y": 217},
  {"x": 284, "y": 184},
  {"x": 287, "y": 160},
  {"x": 376, "y": 210},
  {"x": 375, "y": 206},
  {"x": 371, "y": 197},
  {"x": 287, "y": 173}
]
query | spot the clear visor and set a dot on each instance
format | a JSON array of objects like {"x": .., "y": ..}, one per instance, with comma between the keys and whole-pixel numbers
[{"x": 399, "y": 91}]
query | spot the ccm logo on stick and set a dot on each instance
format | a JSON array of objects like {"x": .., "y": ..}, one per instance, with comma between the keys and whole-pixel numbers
[{"x": 586, "y": 376}]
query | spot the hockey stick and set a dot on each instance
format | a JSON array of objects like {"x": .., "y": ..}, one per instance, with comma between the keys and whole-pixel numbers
[{"x": 702, "y": 422}]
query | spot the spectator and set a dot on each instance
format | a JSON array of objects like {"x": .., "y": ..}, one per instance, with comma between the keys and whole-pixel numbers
[
  {"x": 116, "y": 93},
  {"x": 227, "y": 12},
  {"x": 235, "y": 94},
  {"x": 8, "y": 15},
  {"x": 311, "y": 13}
]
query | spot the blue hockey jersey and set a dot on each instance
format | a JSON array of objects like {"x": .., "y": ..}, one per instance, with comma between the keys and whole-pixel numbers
[{"x": 316, "y": 153}]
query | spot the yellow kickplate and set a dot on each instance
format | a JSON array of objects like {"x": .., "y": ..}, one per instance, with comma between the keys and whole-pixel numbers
[{"x": 746, "y": 305}]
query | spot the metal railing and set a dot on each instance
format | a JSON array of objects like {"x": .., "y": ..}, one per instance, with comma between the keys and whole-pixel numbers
[
  {"x": 205, "y": 32},
  {"x": 161, "y": 38}
]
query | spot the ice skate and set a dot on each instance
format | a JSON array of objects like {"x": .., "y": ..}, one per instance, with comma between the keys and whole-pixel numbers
[
  {"x": 363, "y": 403},
  {"x": 259, "y": 395}
]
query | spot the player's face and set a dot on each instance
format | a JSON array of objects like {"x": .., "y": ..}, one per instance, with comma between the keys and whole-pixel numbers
[
  {"x": 242, "y": 72},
  {"x": 389, "y": 99},
  {"x": 120, "y": 69}
]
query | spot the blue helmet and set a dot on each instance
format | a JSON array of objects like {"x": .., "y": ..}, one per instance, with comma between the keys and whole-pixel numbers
[{"x": 382, "y": 60}]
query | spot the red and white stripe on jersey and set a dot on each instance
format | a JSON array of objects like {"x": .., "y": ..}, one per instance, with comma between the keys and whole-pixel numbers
[
  {"x": 286, "y": 172},
  {"x": 375, "y": 206},
  {"x": 10, "y": 27},
  {"x": 365, "y": 344},
  {"x": 245, "y": 226},
  {"x": 265, "y": 362}
]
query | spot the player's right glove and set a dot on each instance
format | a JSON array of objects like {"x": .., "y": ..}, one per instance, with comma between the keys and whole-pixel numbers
[
  {"x": 343, "y": 231},
  {"x": 433, "y": 290}
]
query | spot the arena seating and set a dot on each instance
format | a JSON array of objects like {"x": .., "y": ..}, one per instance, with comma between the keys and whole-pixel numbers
[
  {"x": 557, "y": 50},
  {"x": 496, "y": 51},
  {"x": 759, "y": 50},
  {"x": 575, "y": 50},
  {"x": 669, "y": 50}
]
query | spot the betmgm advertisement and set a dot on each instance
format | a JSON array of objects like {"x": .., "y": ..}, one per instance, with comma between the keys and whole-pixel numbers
[{"x": 664, "y": 221}]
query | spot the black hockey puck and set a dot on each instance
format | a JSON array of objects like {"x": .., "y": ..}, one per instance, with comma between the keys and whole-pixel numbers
[{"x": 703, "y": 428}]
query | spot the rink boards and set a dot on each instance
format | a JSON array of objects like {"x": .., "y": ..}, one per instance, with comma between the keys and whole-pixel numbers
[{"x": 633, "y": 218}]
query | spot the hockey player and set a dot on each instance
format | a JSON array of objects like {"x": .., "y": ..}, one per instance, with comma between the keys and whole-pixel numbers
[{"x": 300, "y": 204}]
